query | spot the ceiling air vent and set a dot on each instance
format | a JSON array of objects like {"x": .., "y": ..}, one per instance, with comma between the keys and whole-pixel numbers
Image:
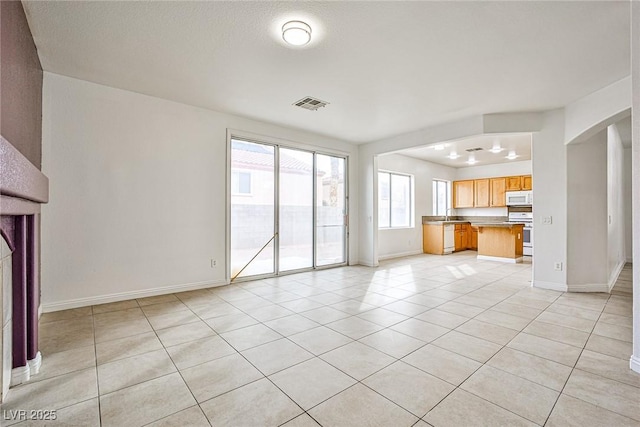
[
  {"x": 309, "y": 103},
  {"x": 471, "y": 150}
]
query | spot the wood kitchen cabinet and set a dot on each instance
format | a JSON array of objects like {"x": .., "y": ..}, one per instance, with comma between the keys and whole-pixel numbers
[
  {"x": 472, "y": 236},
  {"x": 461, "y": 237},
  {"x": 514, "y": 183},
  {"x": 498, "y": 189},
  {"x": 481, "y": 193},
  {"x": 527, "y": 182},
  {"x": 463, "y": 194}
]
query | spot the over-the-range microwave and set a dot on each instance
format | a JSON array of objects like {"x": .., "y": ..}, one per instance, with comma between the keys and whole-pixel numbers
[{"x": 519, "y": 198}]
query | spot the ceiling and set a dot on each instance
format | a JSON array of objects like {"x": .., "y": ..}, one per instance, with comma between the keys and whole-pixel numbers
[
  {"x": 386, "y": 68},
  {"x": 520, "y": 144}
]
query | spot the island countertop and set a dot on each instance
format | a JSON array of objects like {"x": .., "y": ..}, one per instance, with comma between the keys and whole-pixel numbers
[{"x": 497, "y": 224}]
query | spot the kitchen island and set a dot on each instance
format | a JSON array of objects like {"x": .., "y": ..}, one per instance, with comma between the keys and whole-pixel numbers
[
  {"x": 500, "y": 242},
  {"x": 494, "y": 239}
]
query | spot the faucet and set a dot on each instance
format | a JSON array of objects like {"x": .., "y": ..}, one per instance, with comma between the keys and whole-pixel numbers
[{"x": 446, "y": 214}]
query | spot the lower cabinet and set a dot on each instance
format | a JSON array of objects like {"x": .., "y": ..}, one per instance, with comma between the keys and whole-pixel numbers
[{"x": 442, "y": 239}]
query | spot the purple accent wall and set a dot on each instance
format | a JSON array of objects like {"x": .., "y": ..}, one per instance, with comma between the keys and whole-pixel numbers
[{"x": 20, "y": 83}]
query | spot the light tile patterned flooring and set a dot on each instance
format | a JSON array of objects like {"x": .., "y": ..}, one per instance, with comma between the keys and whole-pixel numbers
[{"x": 424, "y": 340}]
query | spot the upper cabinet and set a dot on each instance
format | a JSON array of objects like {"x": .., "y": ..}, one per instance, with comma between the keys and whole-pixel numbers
[
  {"x": 487, "y": 192},
  {"x": 498, "y": 190},
  {"x": 463, "y": 194},
  {"x": 517, "y": 183},
  {"x": 514, "y": 183},
  {"x": 482, "y": 197}
]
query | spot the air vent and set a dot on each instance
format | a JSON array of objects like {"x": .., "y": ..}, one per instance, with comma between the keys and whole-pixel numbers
[
  {"x": 471, "y": 150},
  {"x": 309, "y": 103}
]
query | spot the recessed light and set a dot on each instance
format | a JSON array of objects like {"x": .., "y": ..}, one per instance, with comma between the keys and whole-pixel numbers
[
  {"x": 438, "y": 147},
  {"x": 496, "y": 148},
  {"x": 453, "y": 155},
  {"x": 472, "y": 160},
  {"x": 512, "y": 155},
  {"x": 296, "y": 33}
]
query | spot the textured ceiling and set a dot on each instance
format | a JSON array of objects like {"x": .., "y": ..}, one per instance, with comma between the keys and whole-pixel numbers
[{"x": 385, "y": 67}]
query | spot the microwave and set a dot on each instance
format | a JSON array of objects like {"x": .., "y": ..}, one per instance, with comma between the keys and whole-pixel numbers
[{"x": 519, "y": 198}]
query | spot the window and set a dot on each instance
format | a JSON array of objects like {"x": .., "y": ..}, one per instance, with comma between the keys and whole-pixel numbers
[
  {"x": 395, "y": 200},
  {"x": 441, "y": 197},
  {"x": 241, "y": 183}
]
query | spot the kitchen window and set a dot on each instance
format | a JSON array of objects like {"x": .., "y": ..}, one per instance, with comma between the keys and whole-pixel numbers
[
  {"x": 441, "y": 197},
  {"x": 395, "y": 200}
]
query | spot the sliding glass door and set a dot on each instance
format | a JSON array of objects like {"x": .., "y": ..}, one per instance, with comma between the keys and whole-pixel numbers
[
  {"x": 295, "y": 210},
  {"x": 331, "y": 210},
  {"x": 288, "y": 209},
  {"x": 253, "y": 193}
]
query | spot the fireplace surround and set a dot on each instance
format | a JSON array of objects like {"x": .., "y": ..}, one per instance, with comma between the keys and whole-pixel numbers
[{"x": 23, "y": 188}]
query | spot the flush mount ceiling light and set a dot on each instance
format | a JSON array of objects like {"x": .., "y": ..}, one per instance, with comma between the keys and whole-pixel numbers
[
  {"x": 453, "y": 155},
  {"x": 512, "y": 155},
  {"x": 439, "y": 147},
  {"x": 472, "y": 160},
  {"x": 496, "y": 147},
  {"x": 296, "y": 33}
]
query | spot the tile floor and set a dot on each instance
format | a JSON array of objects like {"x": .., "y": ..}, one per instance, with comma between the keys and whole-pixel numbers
[{"x": 423, "y": 340}]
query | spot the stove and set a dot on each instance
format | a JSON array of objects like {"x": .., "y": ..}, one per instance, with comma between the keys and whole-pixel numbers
[{"x": 527, "y": 233}]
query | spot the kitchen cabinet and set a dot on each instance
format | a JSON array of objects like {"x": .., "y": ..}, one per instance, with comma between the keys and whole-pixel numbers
[
  {"x": 463, "y": 194},
  {"x": 472, "y": 238},
  {"x": 527, "y": 182},
  {"x": 438, "y": 239},
  {"x": 498, "y": 189},
  {"x": 481, "y": 193},
  {"x": 461, "y": 237},
  {"x": 514, "y": 183}
]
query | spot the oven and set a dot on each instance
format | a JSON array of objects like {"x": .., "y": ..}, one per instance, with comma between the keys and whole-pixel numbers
[{"x": 525, "y": 218}]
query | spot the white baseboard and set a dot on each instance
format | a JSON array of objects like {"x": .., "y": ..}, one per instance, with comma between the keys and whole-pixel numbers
[
  {"x": 368, "y": 263},
  {"x": 500, "y": 259},
  {"x": 615, "y": 274},
  {"x": 35, "y": 363},
  {"x": 634, "y": 364},
  {"x": 552, "y": 286},
  {"x": 399, "y": 255},
  {"x": 20, "y": 375},
  {"x": 122, "y": 296},
  {"x": 589, "y": 287}
]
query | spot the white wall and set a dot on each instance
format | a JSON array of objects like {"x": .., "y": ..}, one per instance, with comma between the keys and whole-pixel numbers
[
  {"x": 138, "y": 189},
  {"x": 587, "y": 214},
  {"x": 404, "y": 241},
  {"x": 550, "y": 184},
  {"x": 627, "y": 195},
  {"x": 635, "y": 74},
  {"x": 615, "y": 204},
  {"x": 489, "y": 171}
]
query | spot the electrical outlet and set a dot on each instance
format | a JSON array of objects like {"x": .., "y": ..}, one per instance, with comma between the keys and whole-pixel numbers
[
  {"x": 213, "y": 263},
  {"x": 548, "y": 220},
  {"x": 557, "y": 266}
]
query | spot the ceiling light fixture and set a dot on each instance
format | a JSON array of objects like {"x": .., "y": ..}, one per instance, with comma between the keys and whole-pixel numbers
[
  {"x": 472, "y": 160},
  {"x": 296, "y": 33},
  {"x": 512, "y": 155},
  {"x": 496, "y": 147},
  {"x": 438, "y": 147},
  {"x": 453, "y": 155}
]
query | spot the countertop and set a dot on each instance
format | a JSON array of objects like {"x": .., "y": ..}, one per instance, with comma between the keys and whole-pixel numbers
[{"x": 503, "y": 224}]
